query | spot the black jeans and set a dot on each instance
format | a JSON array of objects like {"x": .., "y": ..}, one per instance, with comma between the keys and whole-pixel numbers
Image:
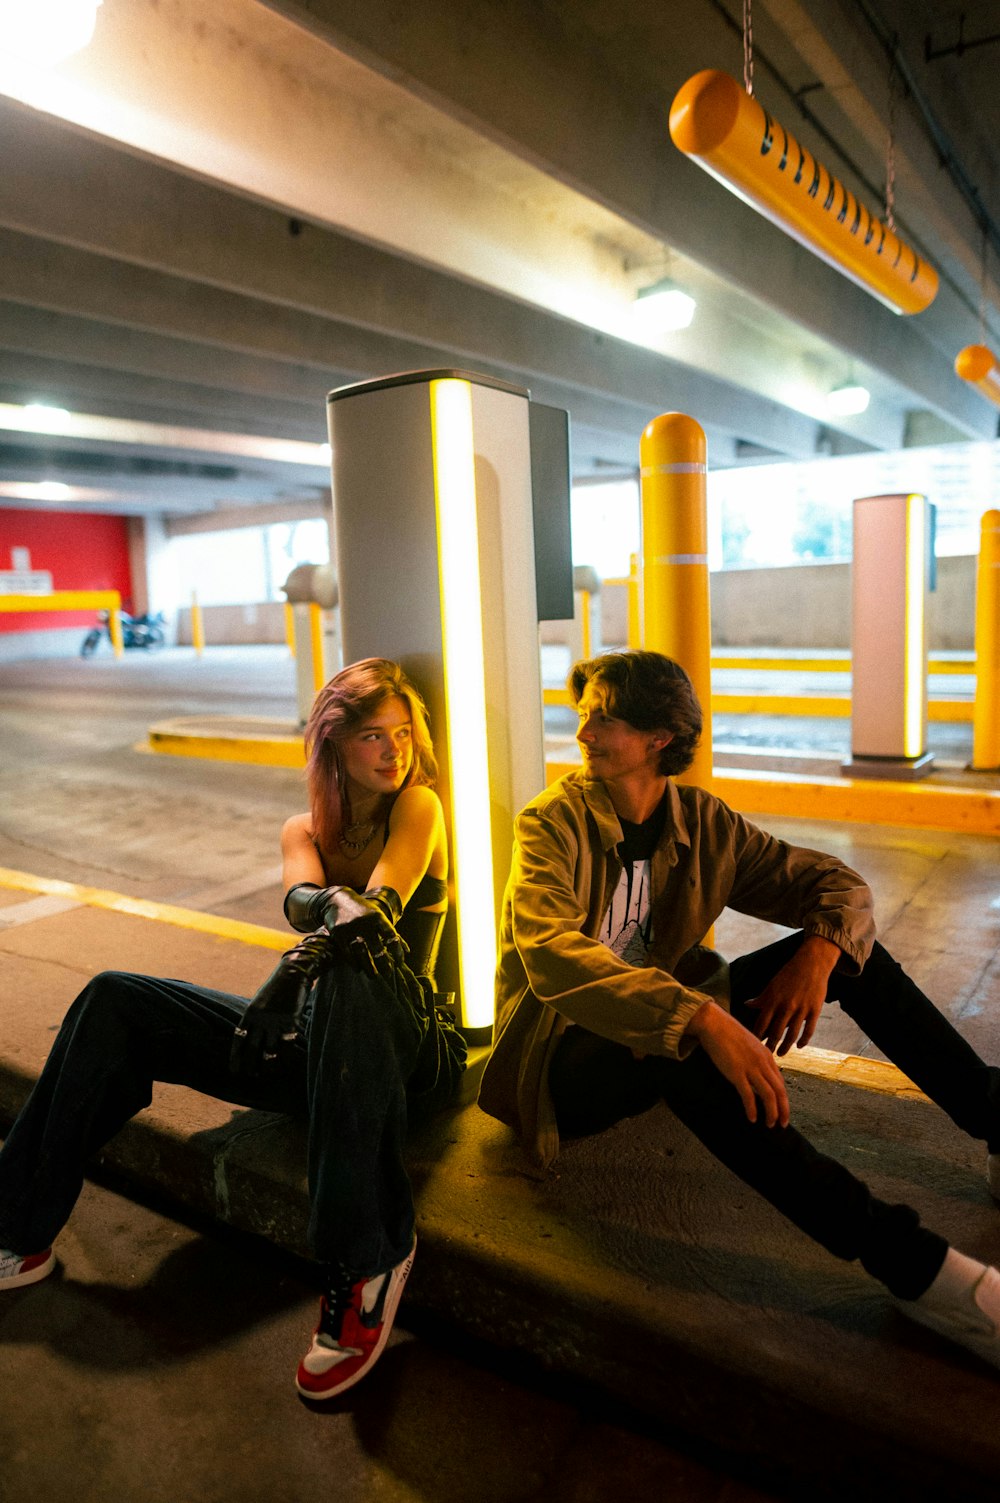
[
  {"x": 595, "y": 1083},
  {"x": 374, "y": 1054}
]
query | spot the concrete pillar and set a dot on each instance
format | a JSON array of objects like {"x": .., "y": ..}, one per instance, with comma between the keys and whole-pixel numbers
[{"x": 154, "y": 574}]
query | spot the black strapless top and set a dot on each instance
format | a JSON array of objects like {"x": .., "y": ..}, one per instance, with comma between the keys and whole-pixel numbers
[{"x": 428, "y": 890}]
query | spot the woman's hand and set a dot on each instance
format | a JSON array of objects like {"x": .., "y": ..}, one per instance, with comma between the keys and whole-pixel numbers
[
  {"x": 273, "y": 1015},
  {"x": 789, "y": 1007},
  {"x": 744, "y": 1061}
]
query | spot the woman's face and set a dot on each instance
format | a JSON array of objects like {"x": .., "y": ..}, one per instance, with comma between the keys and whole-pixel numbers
[{"x": 378, "y": 755}]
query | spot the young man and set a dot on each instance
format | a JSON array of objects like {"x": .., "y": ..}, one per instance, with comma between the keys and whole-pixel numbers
[{"x": 608, "y": 1003}]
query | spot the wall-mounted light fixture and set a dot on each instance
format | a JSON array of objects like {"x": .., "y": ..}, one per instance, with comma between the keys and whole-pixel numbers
[
  {"x": 46, "y": 32},
  {"x": 848, "y": 401},
  {"x": 978, "y": 365},
  {"x": 725, "y": 130},
  {"x": 663, "y": 308}
]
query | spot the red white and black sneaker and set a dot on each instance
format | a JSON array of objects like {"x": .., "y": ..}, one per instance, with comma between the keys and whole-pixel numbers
[
  {"x": 17, "y": 1270},
  {"x": 354, "y": 1324}
]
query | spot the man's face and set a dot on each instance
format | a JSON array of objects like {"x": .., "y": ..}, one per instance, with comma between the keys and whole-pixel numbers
[{"x": 612, "y": 749}]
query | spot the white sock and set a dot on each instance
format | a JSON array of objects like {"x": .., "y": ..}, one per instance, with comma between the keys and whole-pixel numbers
[{"x": 957, "y": 1284}]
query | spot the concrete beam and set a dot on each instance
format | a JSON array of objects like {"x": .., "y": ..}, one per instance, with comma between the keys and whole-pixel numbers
[
  {"x": 254, "y": 282},
  {"x": 565, "y": 102}
]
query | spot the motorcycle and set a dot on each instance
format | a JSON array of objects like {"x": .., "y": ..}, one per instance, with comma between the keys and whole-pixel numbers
[{"x": 137, "y": 631}]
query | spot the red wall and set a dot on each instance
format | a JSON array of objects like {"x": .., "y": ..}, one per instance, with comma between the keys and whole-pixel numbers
[{"x": 81, "y": 551}]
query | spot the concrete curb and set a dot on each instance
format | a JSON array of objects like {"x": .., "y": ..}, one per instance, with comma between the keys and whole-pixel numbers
[{"x": 643, "y": 1268}]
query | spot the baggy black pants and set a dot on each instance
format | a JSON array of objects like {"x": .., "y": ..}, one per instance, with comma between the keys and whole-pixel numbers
[
  {"x": 374, "y": 1049},
  {"x": 595, "y": 1083}
]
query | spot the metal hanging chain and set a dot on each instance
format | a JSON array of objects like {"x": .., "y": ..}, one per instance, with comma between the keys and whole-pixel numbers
[
  {"x": 890, "y": 161},
  {"x": 748, "y": 47}
]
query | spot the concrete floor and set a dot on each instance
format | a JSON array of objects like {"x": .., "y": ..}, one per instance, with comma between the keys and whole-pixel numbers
[
  {"x": 79, "y": 803},
  {"x": 120, "y": 1348},
  {"x": 157, "y": 1362},
  {"x": 156, "y": 1367}
]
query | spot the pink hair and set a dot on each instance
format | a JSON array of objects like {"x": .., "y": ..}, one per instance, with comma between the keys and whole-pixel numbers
[{"x": 340, "y": 707}]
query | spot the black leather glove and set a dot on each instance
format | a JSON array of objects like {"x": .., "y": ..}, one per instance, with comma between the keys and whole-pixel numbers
[
  {"x": 272, "y": 1016},
  {"x": 362, "y": 925}
]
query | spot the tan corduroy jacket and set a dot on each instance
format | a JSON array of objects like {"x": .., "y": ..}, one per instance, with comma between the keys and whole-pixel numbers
[{"x": 554, "y": 971}]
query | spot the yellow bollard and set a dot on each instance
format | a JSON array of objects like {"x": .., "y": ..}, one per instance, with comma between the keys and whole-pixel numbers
[
  {"x": 676, "y": 617},
  {"x": 115, "y": 628},
  {"x": 316, "y": 643},
  {"x": 290, "y": 626},
  {"x": 633, "y": 629},
  {"x": 197, "y": 625},
  {"x": 986, "y": 711}
]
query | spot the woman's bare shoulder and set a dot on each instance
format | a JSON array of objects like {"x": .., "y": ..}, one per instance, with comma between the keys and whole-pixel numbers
[
  {"x": 416, "y": 803},
  {"x": 297, "y": 830}
]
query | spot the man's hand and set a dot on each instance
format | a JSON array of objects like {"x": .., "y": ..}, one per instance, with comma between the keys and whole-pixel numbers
[
  {"x": 744, "y": 1061},
  {"x": 788, "y": 1008}
]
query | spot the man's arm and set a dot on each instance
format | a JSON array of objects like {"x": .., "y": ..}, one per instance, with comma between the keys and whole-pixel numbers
[
  {"x": 744, "y": 1061},
  {"x": 788, "y": 1008},
  {"x": 801, "y": 888}
]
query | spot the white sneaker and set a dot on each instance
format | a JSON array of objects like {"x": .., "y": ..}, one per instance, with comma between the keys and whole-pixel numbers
[
  {"x": 355, "y": 1321},
  {"x": 963, "y": 1304},
  {"x": 17, "y": 1270},
  {"x": 993, "y": 1175}
]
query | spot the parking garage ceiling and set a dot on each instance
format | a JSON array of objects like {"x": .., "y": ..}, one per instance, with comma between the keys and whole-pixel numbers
[{"x": 217, "y": 213}]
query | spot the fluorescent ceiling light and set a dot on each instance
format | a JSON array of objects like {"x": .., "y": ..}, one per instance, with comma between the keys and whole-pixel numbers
[
  {"x": 45, "y": 32},
  {"x": 55, "y": 490},
  {"x": 37, "y": 418},
  {"x": 664, "y": 308},
  {"x": 848, "y": 401}
]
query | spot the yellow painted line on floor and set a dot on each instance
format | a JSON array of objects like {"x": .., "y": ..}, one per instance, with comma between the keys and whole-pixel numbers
[
  {"x": 161, "y": 913},
  {"x": 866, "y": 801},
  {"x": 821, "y": 705},
  {"x": 265, "y": 751},
  {"x": 837, "y": 706},
  {"x": 829, "y": 706},
  {"x": 782, "y": 665},
  {"x": 827, "y": 665}
]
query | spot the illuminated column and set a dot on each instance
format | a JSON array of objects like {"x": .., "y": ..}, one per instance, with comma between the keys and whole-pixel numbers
[
  {"x": 889, "y": 575},
  {"x": 986, "y": 714},
  {"x": 432, "y": 485},
  {"x": 676, "y": 616}
]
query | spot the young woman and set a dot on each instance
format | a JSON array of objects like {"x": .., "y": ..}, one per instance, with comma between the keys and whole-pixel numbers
[{"x": 347, "y": 1030}]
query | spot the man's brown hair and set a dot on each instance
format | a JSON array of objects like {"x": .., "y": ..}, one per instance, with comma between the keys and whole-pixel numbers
[{"x": 650, "y": 692}]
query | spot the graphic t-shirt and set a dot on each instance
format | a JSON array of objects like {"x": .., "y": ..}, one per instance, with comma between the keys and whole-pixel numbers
[{"x": 627, "y": 927}]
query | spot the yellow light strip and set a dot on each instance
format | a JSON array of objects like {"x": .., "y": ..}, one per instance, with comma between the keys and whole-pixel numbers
[
  {"x": 914, "y": 667},
  {"x": 724, "y": 129},
  {"x": 465, "y": 693}
]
